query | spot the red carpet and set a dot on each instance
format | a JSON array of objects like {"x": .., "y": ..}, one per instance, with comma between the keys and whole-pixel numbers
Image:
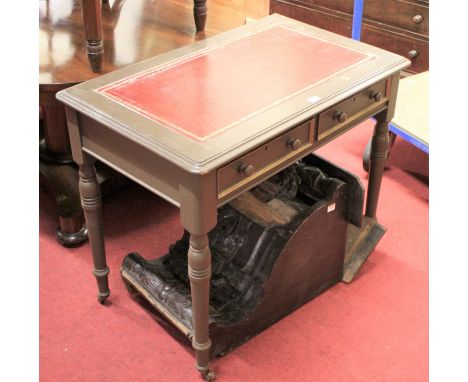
[{"x": 375, "y": 329}]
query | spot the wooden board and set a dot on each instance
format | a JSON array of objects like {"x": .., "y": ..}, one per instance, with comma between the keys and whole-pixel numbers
[{"x": 411, "y": 120}]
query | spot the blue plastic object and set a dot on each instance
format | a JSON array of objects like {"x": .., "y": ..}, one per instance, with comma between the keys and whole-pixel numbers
[
  {"x": 409, "y": 138},
  {"x": 357, "y": 19},
  {"x": 356, "y": 35}
]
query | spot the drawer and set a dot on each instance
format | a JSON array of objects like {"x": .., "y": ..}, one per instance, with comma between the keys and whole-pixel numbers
[
  {"x": 272, "y": 154},
  {"x": 410, "y": 16},
  {"x": 330, "y": 20},
  {"x": 346, "y": 6},
  {"x": 341, "y": 114},
  {"x": 398, "y": 13},
  {"x": 417, "y": 50}
]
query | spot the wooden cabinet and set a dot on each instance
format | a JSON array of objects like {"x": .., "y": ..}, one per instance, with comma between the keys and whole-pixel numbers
[{"x": 400, "y": 26}]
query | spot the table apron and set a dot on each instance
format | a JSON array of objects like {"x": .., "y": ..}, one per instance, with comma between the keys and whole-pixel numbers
[
  {"x": 163, "y": 177},
  {"x": 281, "y": 163},
  {"x": 132, "y": 160}
]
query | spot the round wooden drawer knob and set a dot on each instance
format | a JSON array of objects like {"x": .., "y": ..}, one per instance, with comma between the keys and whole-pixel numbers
[
  {"x": 376, "y": 96},
  {"x": 418, "y": 19},
  {"x": 246, "y": 169},
  {"x": 413, "y": 53},
  {"x": 341, "y": 116},
  {"x": 294, "y": 143}
]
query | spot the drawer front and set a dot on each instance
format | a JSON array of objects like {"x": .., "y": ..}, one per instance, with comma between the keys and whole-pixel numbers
[
  {"x": 417, "y": 50},
  {"x": 255, "y": 163},
  {"x": 330, "y": 21},
  {"x": 398, "y": 13},
  {"x": 402, "y": 14},
  {"x": 341, "y": 114},
  {"x": 346, "y": 6}
]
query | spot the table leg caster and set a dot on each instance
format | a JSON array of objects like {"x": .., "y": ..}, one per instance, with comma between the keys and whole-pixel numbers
[
  {"x": 208, "y": 375},
  {"x": 102, "y": 297}
]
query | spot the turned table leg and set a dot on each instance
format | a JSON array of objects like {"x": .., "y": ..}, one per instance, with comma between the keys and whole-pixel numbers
[
  {"x": 199, "y": 270},
  {"x": 91, "y": 202},
  {"x": 199, "y": 13},
  {"x": 378, "y": 156},
  {"x": 198, "y": 214}
]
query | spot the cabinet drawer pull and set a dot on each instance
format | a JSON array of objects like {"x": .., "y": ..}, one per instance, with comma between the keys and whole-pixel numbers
[
  {"x": 413, "y": 53},
  {"x": 376, "y": 96},
  {"x": 418, "y": 19},
  {"x": 340, "y": 116},
  {"x": 294, "y": 143},
  {"x": 246, "y": 169}
]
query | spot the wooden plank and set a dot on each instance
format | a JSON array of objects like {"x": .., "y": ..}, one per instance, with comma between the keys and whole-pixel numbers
[{"x": 412, "y": 108}]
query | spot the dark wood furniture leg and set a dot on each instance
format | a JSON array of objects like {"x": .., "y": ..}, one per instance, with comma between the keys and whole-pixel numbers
[
  {"x": 92, "y": 20},
  {"x": 198, "y": 215},
  {"x": 378, "y": 156},
  {"x": 58, "y": 170},
  {"x": 366, "y": 156},
  {"x": 91, "y": 202},
  {"x": 199, "y": 13},
  {"x": 199, "y": 270},
  {"x": 54, "y": 147}
]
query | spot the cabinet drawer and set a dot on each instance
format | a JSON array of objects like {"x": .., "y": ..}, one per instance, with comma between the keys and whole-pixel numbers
[
  {"x": 346, "y": 6},
  {"x": 398, "y": 13},
  {"x": 272, "y": 154},
  {"x": 417, "y": 50},
  {"x": 410, "y": 16},
  {"x": 341, "y": 114},
  {"x": 330, "y": 20}
]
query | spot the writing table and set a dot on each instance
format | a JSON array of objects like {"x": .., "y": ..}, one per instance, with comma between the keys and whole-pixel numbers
[{"x": 202, "y": 124}]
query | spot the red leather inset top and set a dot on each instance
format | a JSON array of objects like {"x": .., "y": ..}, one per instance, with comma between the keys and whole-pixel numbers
[{"x": 208, "y": 93}]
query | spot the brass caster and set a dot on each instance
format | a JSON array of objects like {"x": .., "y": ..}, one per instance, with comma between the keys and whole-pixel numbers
[{"x": 209, "y": 375}]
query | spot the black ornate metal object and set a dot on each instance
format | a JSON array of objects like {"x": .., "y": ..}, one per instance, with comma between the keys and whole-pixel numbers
[{"x": 273, "y": 249}]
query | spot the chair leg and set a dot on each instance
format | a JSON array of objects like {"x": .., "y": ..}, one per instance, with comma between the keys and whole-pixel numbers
[
  {"x": 199, "y": 12},
  {"x": 92, "y": 20}
]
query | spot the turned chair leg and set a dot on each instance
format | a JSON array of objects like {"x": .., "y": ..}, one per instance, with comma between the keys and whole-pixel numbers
[
  {"x": 199, "y": 13},
  {"x": 92, "y": 20},
  {"x": 91, "y": 203}
]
